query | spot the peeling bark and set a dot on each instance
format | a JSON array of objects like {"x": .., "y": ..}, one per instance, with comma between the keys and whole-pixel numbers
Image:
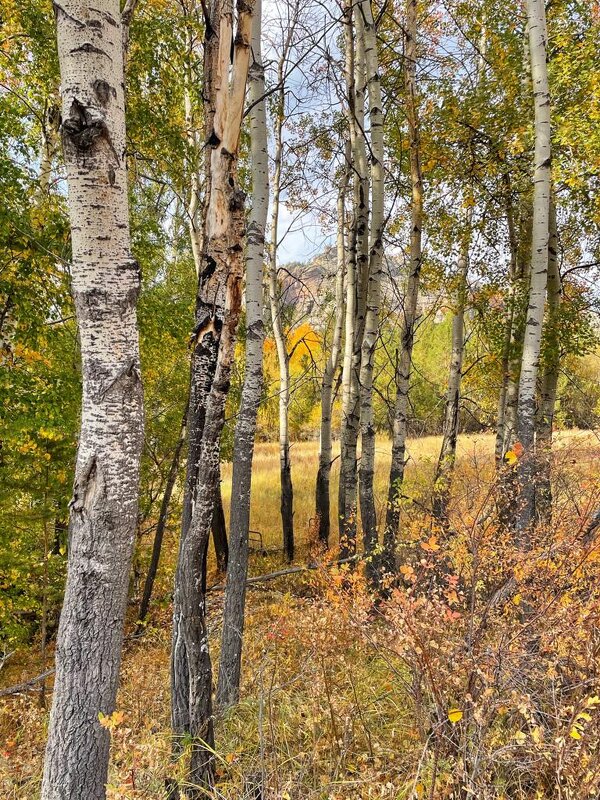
[
  {"x": 228, "y": 688},
  {"x": 218, "y": 309}
]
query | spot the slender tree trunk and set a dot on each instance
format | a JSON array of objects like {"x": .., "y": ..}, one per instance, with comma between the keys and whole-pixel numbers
[
  {"x": 285, "y": 466},
  {"x": 163, "y": 517},
  {"x": 228, "y": 688},
  {"x": 445, "y": 466},
  {"x": 49, "y": 144},
  {"x": 105, "y": 285},
  {"x": 368, "y": 33},
  {"x": 519, "y": 298},
  {"x": 193, "y": 207},
  {"x": 191, "y": 674},
  {"x": 358, "y": 260},
  {"x": 322, "y": 493},
  {"x": 347, "y": 482},
  {"x": 219, "y": 530},
  {"x": 543, "y": 500},
  {"x": 204, "y": 344},
  {"x": 403, "y": 367},
  {"x": 504, "y": 414},
  {"x": 526, "y": 413}
]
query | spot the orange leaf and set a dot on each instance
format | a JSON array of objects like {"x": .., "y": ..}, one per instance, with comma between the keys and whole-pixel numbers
[{"x": 431, "y": 545}]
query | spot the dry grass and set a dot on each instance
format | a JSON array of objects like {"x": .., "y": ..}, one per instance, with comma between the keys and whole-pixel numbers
[
  {"x": 474, "y": 452},
  {"x": 323, "y": 716}
]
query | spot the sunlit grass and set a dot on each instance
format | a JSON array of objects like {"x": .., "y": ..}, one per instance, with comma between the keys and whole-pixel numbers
[{"x": 475, "y": 453}]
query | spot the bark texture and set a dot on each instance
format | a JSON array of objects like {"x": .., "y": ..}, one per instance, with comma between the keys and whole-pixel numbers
[
  {"x": 105, "y": 285},
  {"x": 366, "y": 30},
  {"x": 219, "y": 531},
  {"x": 445, "y": 466},
  {"x": 545, "y": 423},
  {"x": 356, "y": 286},
  {"x": 163, "y": 516},
  {"x": 228, "y": 688},
  {"x": 322, "y": 493},
  {"x": 536, "y": 16},
  {"x": 403, "y": 368},
  {"x": 283, "y": 359},
  {"x": 218, "y": 309}
]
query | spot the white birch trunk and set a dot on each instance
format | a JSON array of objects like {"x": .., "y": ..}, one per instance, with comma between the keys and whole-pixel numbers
[
  {"x": 545, "y": 424},
  {"x": 445, "y": 466},
  {"x": 322, "y": 493},
  {"x": 245, "y": 428},
  {"x": 366, "y": 31},
  {"x": 285, "y": 467},
  {"x": 526, "y": 413},
  {"x": 357, "y": 284},
  {"x": 503, "y": 422},
  {"x": 400, "y": 426},
  {"x": 193, "y": 208},
  {"x": 105, "y": 285}
]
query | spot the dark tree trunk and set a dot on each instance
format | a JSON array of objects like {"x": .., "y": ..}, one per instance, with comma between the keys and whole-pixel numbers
[
  {"x": 219, "y": 304},
  {"x": 219, "y": 531},
  {"x": 287, "y": 506},
  {"x": 228, "y": 688},
  {"x": 162, "y": 520}
]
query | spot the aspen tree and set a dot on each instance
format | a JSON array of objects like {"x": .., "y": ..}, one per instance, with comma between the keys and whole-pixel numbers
[
  {"x": 322, "y": 492},
  {"x": 526, "y": 412},
  {"x": 245, "y": 427},
  {"x": 403, "y": 369},
  {"x": 105, "y": 285},
  {"x": 356, "y": 285},
  {"x": 275, "y": 305},
  {"x": 447, "y": 457},
  {"x": 366, "y": 30},
  {"x": 283, "y": 358},
  {"x": 545, "y": 422},
  {"x": 218, "y": 310}
]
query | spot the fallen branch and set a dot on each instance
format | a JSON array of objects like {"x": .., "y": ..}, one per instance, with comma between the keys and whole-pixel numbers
[
  {"x": 26, "y": 686},
  {"x": 281, "y": 573}
]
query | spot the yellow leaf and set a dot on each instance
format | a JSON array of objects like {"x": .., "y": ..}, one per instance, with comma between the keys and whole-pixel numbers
[
  {"x": 511, "y": 457},
  {"x": 575, "y": 734},
  {"x": 110, "y": 721},
  {"x": 520, "y": 737},
  {"x": 431, "y": 545},
  {"x": 585, "y": 716},
  {"x": 455, "y": 715},
  {"x": 117, "y": 717},
  {"x": 517, "y": 599}
]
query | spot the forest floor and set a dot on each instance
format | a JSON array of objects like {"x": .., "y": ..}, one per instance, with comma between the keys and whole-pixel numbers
[{"x": 325, "y": 710}]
